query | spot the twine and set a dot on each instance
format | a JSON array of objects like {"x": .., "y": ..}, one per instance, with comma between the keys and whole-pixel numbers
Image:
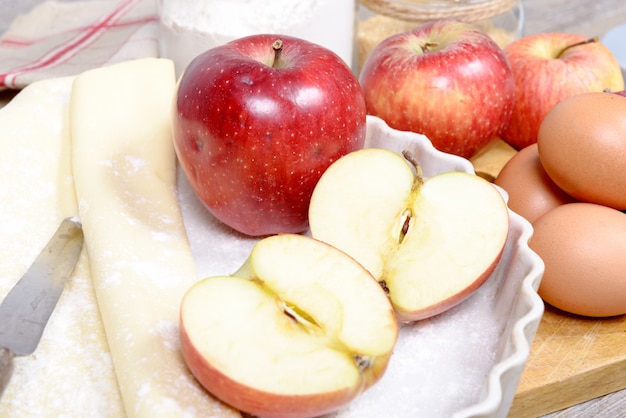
[{"x": 426, "y": 11}]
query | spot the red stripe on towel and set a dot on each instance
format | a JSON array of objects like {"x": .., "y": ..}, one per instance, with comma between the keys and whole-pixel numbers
[{"x": 65, "y": 51}]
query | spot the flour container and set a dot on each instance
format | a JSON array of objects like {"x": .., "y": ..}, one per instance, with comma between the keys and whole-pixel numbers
[{"x": 189, "y": 27}]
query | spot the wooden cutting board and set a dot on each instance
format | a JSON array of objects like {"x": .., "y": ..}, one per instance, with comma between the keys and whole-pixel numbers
[{"x": 572, "y": 359}]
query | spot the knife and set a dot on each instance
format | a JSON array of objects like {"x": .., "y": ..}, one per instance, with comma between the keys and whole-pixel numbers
[{"x": 24, "y": 312}]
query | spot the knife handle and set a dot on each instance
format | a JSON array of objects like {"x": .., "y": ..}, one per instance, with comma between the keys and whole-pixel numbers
[{"x": 6, "y": 368}]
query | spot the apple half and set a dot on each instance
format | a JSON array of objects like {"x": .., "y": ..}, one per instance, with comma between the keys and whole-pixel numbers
[
  {"x": 430, "y": 242},
  {"x": 299, "y": 330}
]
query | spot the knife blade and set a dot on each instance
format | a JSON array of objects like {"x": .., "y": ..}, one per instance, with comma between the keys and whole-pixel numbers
[{"x": 25, "y": 310}]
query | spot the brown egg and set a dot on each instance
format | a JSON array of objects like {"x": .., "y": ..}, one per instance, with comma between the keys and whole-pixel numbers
[
  {"x": 531, "y": 191},
  {"x": 582, "y": 146},
  {"x": 583, "y": 246}
]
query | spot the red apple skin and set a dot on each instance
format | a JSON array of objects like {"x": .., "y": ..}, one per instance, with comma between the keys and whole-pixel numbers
[
  {"x": 446, "y": 80},
  {"x": 253, "y": 140},
  {"x": 260, "y": 403},
  {"x": 543, "y": 78}
]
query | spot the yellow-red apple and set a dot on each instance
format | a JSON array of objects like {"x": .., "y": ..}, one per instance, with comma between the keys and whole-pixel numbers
[
  {"x": 447, "y": 80},
  {"x": 549, "y": 67}
]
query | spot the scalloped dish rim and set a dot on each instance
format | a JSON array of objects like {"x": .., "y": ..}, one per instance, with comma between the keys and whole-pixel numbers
[{"x": 501, "y": 383}]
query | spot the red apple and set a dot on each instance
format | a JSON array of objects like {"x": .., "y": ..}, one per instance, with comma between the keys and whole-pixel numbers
[
  {"x": 550, "y": 67},
  {"x": 447, "y": 80},
  {"x": 256, "y": 123}
]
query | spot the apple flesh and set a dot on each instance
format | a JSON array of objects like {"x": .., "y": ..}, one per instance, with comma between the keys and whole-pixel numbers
[
  {"x": 550, "y": 67},
  {"x": 447, "y": 80},
  {"x": 430, "y": 242},
  {"x": 299, "y": 330},
  {"x": 257, "y": 121}
]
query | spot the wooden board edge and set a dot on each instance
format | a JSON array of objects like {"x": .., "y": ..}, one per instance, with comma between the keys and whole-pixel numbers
[{"x": 566, "y": 393}]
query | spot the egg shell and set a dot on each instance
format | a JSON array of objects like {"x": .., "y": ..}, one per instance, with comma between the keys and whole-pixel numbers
[
  {"x": 531, "y": 191},
  {"x": 583, "y": 246},
  {"x": 582, "y": 146}
]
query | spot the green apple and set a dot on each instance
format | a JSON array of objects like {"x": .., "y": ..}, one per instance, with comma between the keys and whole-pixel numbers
[
  {"x": 299, "y": 330},
  {"x": 430, "y": 241}
]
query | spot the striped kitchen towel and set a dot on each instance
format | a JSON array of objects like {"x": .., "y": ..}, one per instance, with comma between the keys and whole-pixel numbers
[{"x": 57, "y": 39}]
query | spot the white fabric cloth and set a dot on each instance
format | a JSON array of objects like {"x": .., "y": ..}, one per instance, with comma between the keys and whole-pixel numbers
[{"x": 57, "y": 39}]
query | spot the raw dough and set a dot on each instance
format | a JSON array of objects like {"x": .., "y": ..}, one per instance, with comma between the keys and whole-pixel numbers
[
  {"x": 125, "y": 177},
  {"x": 70, "y": 373}
]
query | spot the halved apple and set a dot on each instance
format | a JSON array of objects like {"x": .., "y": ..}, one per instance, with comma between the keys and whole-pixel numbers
[
  {"x": 299, "y": 330},
  {"x": 430, "y": 242}
]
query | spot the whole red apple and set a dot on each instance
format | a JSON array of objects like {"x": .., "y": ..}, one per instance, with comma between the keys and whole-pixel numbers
[
  {"x": 447, "y": 80},
  {"x": 256, "y": 123},
  {"x": 550, "y": 67}
]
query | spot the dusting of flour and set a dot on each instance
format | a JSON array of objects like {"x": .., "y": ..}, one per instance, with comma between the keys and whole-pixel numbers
[
  {"x": 440, "y": 365},
  {"x": 71, "y": 371}
]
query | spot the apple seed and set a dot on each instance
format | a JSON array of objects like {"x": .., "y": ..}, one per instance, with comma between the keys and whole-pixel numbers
[
  {"x": 297, "y": 315},
  {"x": 361, "y": 361},
  {"x": 407, "y": 214}
]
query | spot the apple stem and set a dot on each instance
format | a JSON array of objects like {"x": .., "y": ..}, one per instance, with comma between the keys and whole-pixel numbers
[
  {"x": 585, "y": 42},
  {"x": 277, "y": 46},
  {"x": 428, "y": 46},
  {"x": 408, "y": 155}
]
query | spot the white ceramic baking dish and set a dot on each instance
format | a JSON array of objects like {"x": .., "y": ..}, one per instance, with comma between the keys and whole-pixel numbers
[{"x": 464, "y": 363}]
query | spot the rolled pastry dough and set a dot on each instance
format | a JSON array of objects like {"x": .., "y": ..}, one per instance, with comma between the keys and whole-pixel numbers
[
  {"x": 141, "y": 263},
  {"x": 70, "y": 373}
]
